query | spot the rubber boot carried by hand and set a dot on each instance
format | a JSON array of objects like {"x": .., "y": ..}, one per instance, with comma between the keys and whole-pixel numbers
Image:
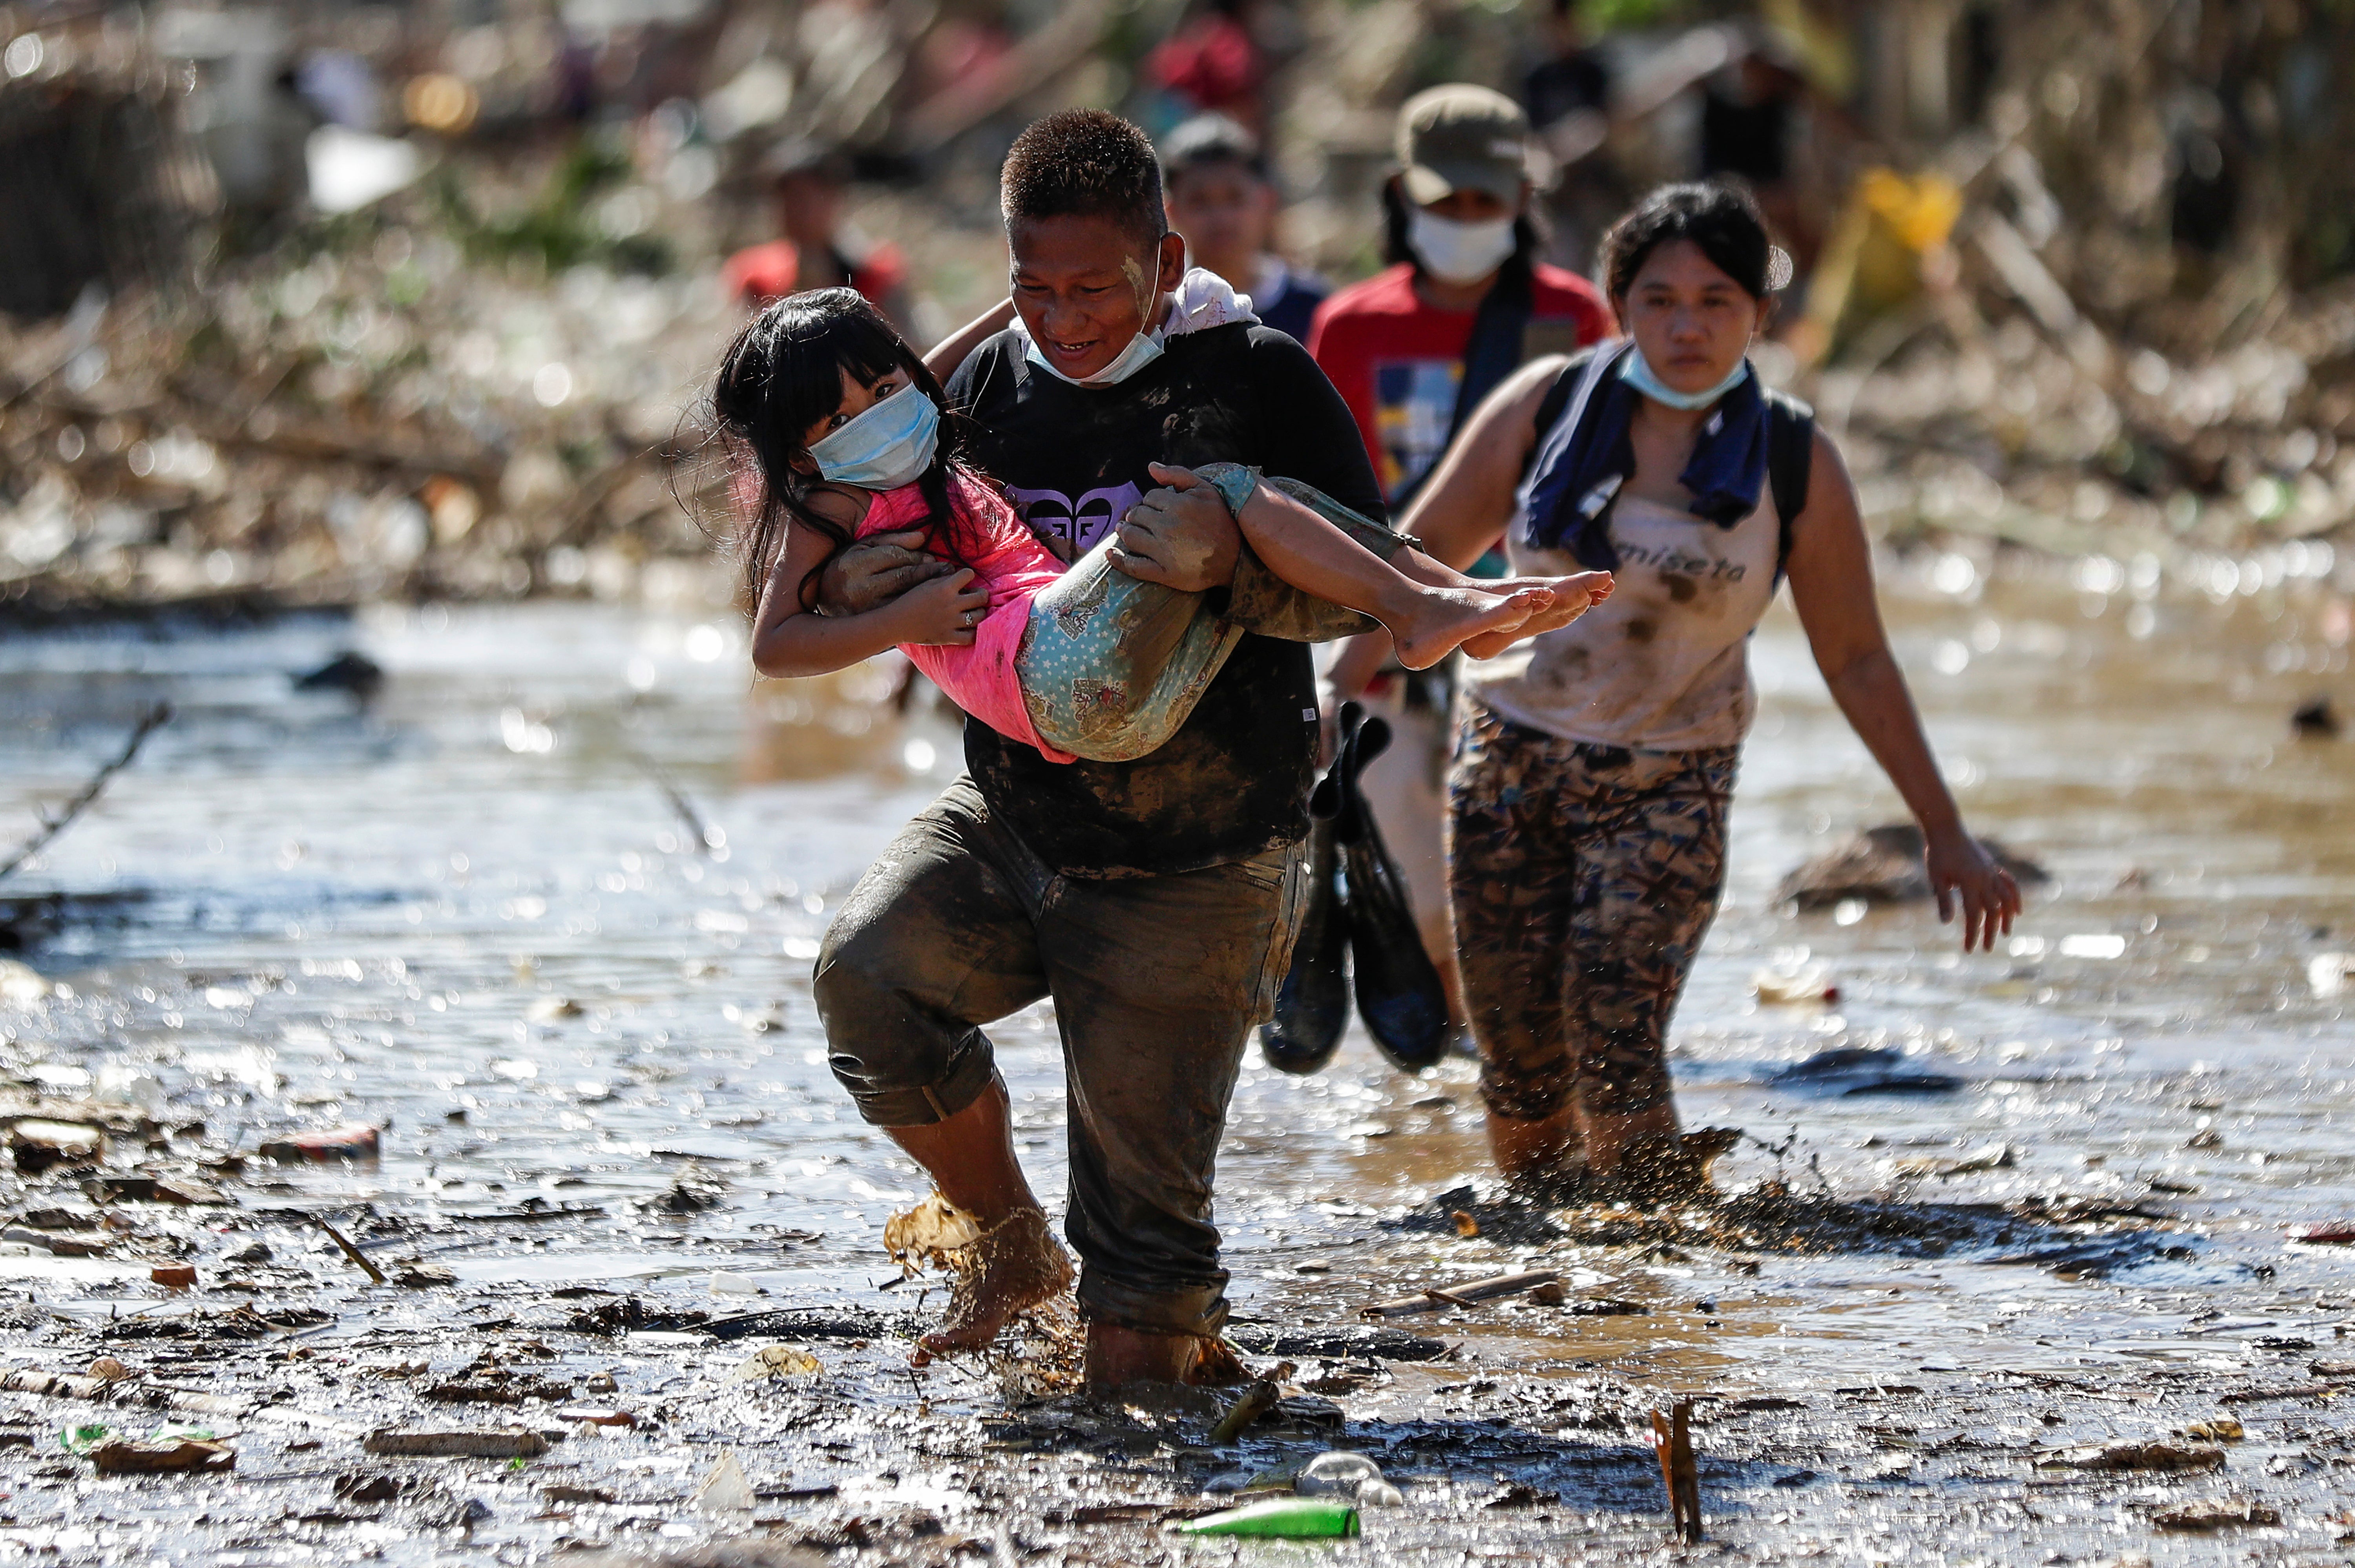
[
  {"x": 1399, "y": 991},
  {"x": 1311, "y": 1006}
]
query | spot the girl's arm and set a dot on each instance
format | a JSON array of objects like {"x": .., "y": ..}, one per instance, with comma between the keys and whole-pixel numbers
[
  {"x": 1832, "y": 583},
  {"x": 790, "y": 641}
]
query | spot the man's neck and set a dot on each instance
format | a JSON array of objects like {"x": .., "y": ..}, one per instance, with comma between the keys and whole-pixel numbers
[{"x": 1440, "y": 294}]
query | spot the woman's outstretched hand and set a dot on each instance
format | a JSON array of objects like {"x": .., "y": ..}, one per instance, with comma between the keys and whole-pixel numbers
[{"x": 1962, "y": 871}]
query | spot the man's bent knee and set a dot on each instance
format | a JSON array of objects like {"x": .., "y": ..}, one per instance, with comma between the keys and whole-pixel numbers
[{"x": 903, "y": 1063}]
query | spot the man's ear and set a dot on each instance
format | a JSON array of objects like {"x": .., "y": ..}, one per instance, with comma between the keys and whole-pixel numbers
[{"x": 1173, "y": 262}]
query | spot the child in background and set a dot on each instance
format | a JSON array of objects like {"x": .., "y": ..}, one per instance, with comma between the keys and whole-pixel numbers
[{"x": 1215, "y": 183}]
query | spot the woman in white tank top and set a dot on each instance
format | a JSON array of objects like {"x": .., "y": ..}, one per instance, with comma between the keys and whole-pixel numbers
[{"x": 1587, "y": 804}]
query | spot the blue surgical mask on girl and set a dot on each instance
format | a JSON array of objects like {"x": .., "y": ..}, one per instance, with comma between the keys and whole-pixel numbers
[
  {"x": 889, "y": 445},
  {"x": 1636, "y": 371}
]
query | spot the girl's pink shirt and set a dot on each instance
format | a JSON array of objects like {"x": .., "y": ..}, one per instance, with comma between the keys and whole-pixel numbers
[{"x": 1010, "y": 562}]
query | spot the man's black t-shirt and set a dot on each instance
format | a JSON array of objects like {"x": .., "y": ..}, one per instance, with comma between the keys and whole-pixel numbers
[{"x": 1232, "y": 781}]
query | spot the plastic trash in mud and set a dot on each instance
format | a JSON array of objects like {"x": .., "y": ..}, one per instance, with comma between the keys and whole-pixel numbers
[
  {"x": 1796, "y": 986},
  {"x": 1351, "y": 1475},
  {"x": 1295, "y": 1518},
  {"x": 725, "y": 1489},
  {"x": 1312, "y": 1005},
  {"x": 776, "y": 1361},
  {"x": 353, "y": 1140}
]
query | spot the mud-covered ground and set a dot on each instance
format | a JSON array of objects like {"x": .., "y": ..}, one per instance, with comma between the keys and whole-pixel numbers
[{"x": 614, "y": 1171}]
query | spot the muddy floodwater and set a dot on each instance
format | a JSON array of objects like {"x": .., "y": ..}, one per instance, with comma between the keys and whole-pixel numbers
[{"x": 472, "y": 911}]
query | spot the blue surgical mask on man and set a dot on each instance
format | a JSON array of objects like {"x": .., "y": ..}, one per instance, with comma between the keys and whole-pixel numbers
[
  {"x": 1141, "y": 350},
  {"x": 889, "y": 445}
]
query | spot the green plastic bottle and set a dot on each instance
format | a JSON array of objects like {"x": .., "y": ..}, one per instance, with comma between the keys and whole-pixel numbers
[{"x": 1291, "y": 1517}]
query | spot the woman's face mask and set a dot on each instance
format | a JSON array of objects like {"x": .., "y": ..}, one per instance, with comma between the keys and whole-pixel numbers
[
  {"x": 1457, "y": 252},
  {"x": 889, "y": 445}
]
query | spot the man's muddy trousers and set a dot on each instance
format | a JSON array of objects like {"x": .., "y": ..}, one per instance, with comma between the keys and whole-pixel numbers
[{"x": 1156, "y": 980}]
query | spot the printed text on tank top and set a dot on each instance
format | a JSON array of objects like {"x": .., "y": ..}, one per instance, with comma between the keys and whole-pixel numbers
[{"x": 1662, "y": 665}]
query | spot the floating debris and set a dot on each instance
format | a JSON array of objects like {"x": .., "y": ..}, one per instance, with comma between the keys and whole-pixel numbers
[
  {"x": 511, "y": 1443},
  {"x": 1863, "y": 1069},
  {"x": 1470, "y": 1293},
  {"x": 2132, "y": 1456},
  {"x": 163, "y": 1456},
  {"x": 2219, "y": 1513},
  {"x": 353, "y": 1140}
]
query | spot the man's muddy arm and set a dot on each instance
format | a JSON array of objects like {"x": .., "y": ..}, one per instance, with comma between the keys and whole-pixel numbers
[{"x": 872, "y": 572}]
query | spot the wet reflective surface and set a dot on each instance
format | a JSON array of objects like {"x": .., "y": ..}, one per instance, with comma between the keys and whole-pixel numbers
[{"x": 473, "y": 911}]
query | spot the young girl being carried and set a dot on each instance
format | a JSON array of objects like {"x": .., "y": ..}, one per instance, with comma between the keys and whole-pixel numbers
[{"x": 841, "y": 434}]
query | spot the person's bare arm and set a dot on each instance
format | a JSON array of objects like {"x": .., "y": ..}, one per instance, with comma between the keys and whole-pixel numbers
[
  {"x": 944, "y": 357},
  {"x": 1463, "y": 508},
  {"x": 788, "y": 640},
  {"x": 1831, "y": 584}
]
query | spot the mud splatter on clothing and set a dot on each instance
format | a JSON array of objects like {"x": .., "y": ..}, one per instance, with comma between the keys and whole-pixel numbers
[{"x": 1583, "y": 878}]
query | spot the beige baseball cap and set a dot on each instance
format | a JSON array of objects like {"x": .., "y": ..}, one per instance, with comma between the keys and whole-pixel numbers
[{"x": 1462, "y": 135}]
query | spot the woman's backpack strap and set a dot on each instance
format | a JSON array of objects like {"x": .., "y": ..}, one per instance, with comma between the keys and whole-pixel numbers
[{"x": 1790, "y": 453}]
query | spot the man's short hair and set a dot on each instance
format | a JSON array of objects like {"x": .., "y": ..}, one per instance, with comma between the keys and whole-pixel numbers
[
  {"x": 1209, "y": 140},
  {"x": 1087, "y": 162}
]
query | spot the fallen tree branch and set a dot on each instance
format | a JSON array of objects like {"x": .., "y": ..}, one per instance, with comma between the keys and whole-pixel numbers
[{"x": 154, "y": 719}]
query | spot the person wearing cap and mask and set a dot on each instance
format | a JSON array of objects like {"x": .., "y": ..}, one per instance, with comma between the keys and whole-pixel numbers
[
  {"x": 1413, "y": 349},
  {"x": 816, "y": 250}
]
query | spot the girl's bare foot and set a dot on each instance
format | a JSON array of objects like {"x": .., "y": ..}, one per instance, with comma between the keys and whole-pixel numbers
[
  {"x": 1440, "y": 620},
  {"x": 1011, "y": 1267},
  {"x": 1572, "y": 596}
]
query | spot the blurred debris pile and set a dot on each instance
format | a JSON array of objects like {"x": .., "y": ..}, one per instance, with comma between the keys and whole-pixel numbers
[
  {"x": 468, "y": 389},
  {"x": 2112, "y": 304},
  {"x": 100, "y": 185}
]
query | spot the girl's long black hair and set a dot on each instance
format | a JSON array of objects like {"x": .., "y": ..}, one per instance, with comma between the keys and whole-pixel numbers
[{"x": 782, "y": 374}]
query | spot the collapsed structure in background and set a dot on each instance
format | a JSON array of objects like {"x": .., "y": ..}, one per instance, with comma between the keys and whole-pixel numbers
[{"x": 313, "y": 307}]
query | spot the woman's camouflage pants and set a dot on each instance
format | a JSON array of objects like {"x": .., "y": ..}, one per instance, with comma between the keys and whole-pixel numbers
[{"x": 1583, "y": 878}]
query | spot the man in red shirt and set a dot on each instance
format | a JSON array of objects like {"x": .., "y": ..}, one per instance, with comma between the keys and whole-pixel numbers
[
  {"x": 1413, "y": 349},
  {"x": 1402, "y": 344}
]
